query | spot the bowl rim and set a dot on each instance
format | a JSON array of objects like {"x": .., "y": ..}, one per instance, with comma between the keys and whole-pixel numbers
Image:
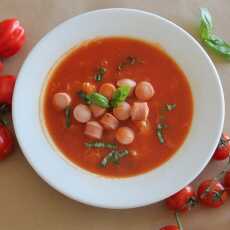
[{"x": 90, "y": 202}]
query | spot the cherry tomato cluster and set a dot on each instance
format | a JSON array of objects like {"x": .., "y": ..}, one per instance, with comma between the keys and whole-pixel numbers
[
  {"x": 12, "y": 38},
  {"x": 211, "y": 193}
]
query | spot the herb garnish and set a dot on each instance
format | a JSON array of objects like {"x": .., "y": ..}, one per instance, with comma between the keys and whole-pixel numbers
[
  {"x": 113, "y": 157},
  {"x": 99, "y": 144},
  {"x": 161, "y": 124},
  {"x": 207, "y": 36},
  {"x": 67, "y": 116},
  {"x": 100, "y": 73},
  {"x": 130, "y": 60},
  {"x": 159, "y": 132},
  {"x": 120, "y": 95},
  {"x": 94, "y": 98}
]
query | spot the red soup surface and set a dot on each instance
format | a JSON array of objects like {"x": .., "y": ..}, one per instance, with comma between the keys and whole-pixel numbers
[{"x": 156, "y": 139}]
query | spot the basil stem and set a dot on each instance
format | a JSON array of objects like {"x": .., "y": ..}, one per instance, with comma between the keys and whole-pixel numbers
[
  {"x": 159, "y": 132},
  {"x": 67, "y": 117},
  {"x": 98, "y": 144},
  {"x": 120, "y": 95},
  {"x": 218, "y": 45},
  {"x": 113, "y": 157},
  {"x": 100, "y": 73}
]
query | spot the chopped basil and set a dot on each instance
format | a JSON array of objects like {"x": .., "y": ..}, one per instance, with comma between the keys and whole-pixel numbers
[
  {"x": 94, "y": 98},
  {"x": 217, "y": 44},
  {"x": 100, "y": 73},
  {"x": 170, "y": 107},
  {"x": 159, "y": 132},
  {"x": 99, "y": 144},
  {"x": 120, "y": 95},
  {"x": 67, "y": 117},
  {"x": 130, "y": 60},
  {"x": 113, "y": 157}
]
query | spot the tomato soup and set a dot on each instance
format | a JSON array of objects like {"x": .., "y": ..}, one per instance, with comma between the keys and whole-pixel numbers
[{"x": 135, "y": 127}]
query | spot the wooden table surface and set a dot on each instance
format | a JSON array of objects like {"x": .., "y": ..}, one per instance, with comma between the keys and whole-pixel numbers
[{"x": 26, "y": 201}]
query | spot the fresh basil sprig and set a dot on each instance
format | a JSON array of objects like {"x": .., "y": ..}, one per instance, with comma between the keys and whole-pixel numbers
[
  {"x": 218, "y": 45},
  {"x": 120, "y": 95}
]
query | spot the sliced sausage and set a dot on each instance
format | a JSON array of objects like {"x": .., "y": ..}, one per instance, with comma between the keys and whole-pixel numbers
[
  {"x": 125, "y": 135},
  {"x": 107, "y": 90},
  {"x": 126, "y": 81},
  {"x": 144, "y": 91},
  {"x": 139, "y": 111},
  {"x": 82, "y": 113},
  {"x": 88, "y": 88},
  {"x": 93, "y": 129},
  {"x": 61, "y": 100},
  {"x": 109, "y": 121},
  {"x": 97, "y": 110},
  {"x": 122, "y": 111}
]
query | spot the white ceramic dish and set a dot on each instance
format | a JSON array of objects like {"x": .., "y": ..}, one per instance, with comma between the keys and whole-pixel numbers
[{"x": 136, "y": 191}]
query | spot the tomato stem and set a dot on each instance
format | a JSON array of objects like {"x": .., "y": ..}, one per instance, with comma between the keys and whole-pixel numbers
[
  {"x": 221, "y": 173},
  {"x": 179, "y": 224}
]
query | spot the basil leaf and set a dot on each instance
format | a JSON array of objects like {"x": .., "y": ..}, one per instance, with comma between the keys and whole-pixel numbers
[
  {"x": 120, "y": 95},
  {"x": 100, "y": 73},
  {"x": 67, "y": 117},
  {"x": 170, "y": 107},
  {"x": 159, "y": 132},
  {"x": 94, "y": 98},
  {"x": 218, "y": 45},
  {"x": 206, "y": 26},
  {"x": 99, "y": 99},
  {"x": 113, "y": 157},
  {"x": 98, "y": 144}
]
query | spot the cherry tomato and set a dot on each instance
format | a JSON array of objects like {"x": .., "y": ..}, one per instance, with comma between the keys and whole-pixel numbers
[
  {"x": 12, "y": 37},
  {"x": 6, "y": 142},
  {"x": 223, "y": 149},
  {"x": 1, "y": 66},
  {"x": 227, "y": 181},
  {"x": 6, "y": 89},
  {"x": 170, "y": 227},
  {"x": 182, "y": 200},
  {"x": 212, "y": 194}
]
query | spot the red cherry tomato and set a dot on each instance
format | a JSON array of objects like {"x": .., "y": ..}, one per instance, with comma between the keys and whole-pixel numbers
[
  {"x": 170, "y": 227},
  {"x": 6, "y": 142},
  {"x": 227, "y": 181},
  {"x": 6, "y": 89},
  {"x": 12, "y": 37},
  {"x": 223, "y": 149},
  {"x": 212, "y": 193},
  {"x": 182, "y": 200},
  {"x": 1, "y": 66}
]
